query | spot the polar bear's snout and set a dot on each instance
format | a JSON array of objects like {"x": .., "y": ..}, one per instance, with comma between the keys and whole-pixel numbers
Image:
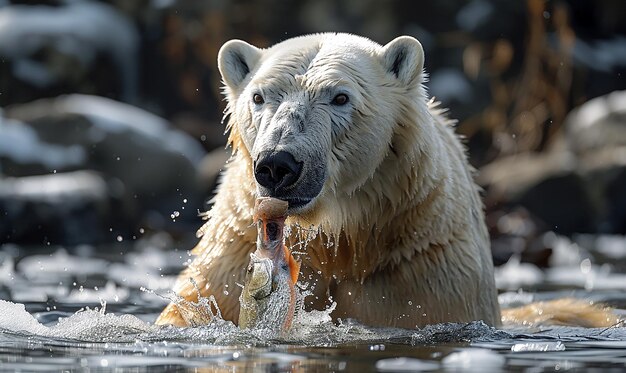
[
  {"x": 296, "y": 178},
  {"x": 277, "y": 171}
]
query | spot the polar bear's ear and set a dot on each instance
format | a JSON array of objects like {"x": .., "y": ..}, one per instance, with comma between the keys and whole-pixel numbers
[
  {"x": 235, "y": 61},
  {"x": 404, "y": 58}
]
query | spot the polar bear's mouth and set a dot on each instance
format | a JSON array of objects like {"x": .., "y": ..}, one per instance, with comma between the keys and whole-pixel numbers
[{"x": 298, "y": 203}]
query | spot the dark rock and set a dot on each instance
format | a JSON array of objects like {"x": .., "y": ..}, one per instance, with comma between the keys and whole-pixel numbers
[
  {"x": 68, "y": 208},
  {"x": 596, "y": 133},
  {"x": 597, "y": 124},
  {"x": 490, "y": 20},
  {"x": 563, "y": 203},
  {"x": 516, "y": 231},
  {"x": 74, "y": 47},
  {"x": 605, "y": 177},
  {"x": 138, "y": 154},
  {"x": 616, "y": 196},
  {"x": 578, "y": 185}
]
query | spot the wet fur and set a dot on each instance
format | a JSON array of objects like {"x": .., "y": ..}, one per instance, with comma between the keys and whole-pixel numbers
[{"x": 391, "y": 187}]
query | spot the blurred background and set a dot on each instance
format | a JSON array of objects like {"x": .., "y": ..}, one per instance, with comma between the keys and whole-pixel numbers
[{"x": 110, "y": 112}]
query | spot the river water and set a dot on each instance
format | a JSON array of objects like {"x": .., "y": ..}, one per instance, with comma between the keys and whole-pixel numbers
[{"x": 87, "y": 308}]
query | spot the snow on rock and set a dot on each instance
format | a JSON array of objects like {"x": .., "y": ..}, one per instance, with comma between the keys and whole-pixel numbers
[
  {"x": 59, "y": 265},
  {"x": 22, "y": 144},
  {"x": 112, "y": 116},
  {"x": 149, "y": 167},
  {"x": 60, "y": 208},
  {"x": 82, "y": 29},
  {"x": 105, "y": 117},
  {"x": 62, "y": 186},
  {"x": 598, "y": 123}
]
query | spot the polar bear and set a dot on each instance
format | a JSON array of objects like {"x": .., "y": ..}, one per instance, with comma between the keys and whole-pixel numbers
[{"x": 342, "y": 128}]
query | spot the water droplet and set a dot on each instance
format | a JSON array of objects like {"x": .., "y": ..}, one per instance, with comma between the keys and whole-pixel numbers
[
  {"x": 410, "y": 303},
  {"x": 141, "y": 230},
  {"x": 185, "y": 200},
  {"x": 585, "y": 266}
]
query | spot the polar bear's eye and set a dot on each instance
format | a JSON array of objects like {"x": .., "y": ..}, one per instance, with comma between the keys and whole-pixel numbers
[
  {"x": 258, "y": 99},
  {"x": 340, "y": 99}
]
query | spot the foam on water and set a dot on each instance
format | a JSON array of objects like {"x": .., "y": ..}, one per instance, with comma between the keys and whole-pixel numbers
[
  {"x": 86, "y": 325},
  {"x": 311, "y": 328}
]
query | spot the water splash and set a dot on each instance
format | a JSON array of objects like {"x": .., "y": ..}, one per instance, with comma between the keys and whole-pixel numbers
[
  {"x": 302, "y": 236},
  {"x": 203, "y": 312}
]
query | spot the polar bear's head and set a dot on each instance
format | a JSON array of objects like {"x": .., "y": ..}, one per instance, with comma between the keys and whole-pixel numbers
[{"x": 317, "y": 115}]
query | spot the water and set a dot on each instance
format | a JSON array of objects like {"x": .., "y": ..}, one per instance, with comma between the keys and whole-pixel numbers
[{"x": 83, "y": 308}]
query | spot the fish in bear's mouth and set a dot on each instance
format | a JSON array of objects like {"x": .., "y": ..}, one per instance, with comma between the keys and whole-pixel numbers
[{"x": 268, "y": 298}]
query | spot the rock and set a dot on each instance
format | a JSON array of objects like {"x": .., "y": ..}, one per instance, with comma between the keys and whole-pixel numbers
[
  {"x": 616, "y": 212},
  {"x": 137, "y": 153},
  {"x": 596, "y": 133},
  {"x": 74, "y": 47},
  {"x": 598, "y": 124},
  {"x": 517, "y": 233},
  {"x": 563, "y": 203},
  {"x": 490, "y": 20},
  {"x": 63, "y": 208},
  {"x": 605, "y": 177},
  {"x": 509, "y": 177},
  {"x": 578, "y": 185}
]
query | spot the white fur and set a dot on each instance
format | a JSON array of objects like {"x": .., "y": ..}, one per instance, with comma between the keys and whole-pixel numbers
[{"x": 396, "y": 197}]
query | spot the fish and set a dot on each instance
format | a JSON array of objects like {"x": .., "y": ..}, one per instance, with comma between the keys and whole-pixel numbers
[{"x": 268, "y": 298}]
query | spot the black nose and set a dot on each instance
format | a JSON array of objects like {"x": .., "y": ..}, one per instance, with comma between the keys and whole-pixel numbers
[{"x": 276, "y": 170}]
